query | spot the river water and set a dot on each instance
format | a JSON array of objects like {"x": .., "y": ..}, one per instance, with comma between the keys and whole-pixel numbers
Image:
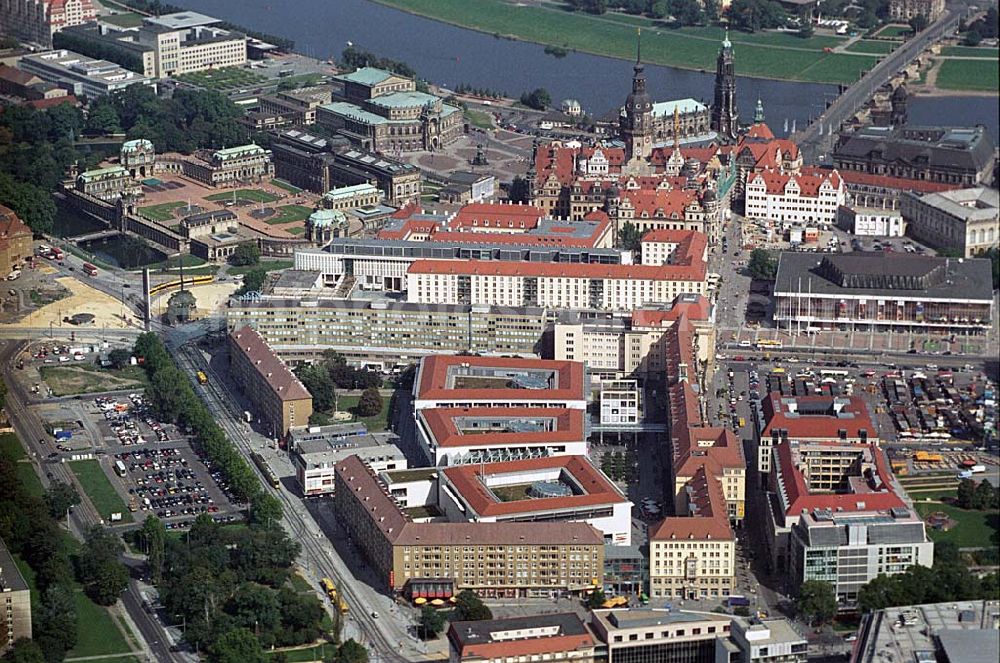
[{"x": 448, "y": 55}]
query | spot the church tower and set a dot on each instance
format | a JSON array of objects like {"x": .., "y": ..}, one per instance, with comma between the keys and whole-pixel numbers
[
  {"x": 758, "y": 113},
  {"x": 724, "y": 114},
  {"x": 637, "y": 124}
]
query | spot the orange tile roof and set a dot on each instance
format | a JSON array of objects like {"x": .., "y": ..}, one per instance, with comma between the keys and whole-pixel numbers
[
  {"x": 569, "y": 426},
  {"x": 496, "y": 215},
  {"x": 809, "y": 180},
  {"x": 777, "y": 415},
  {"x": 434, "y": 370},
  {"x": 675, "y": 272},
  {"x": 899, "y": 183},
  {"x": 467, "y": 482},
  {"x": 710, "y": 519},
  {"x": 697, "y": 310},
  {"x": 659, "y": 202},
  {"x": 278, "y": 376}
]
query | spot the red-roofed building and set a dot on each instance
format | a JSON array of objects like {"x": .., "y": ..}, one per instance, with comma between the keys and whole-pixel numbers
[
  {"x": 279, "y": 399},
  {"x": 558, "y": 285},
  {"x": 556, "y": 488},
  {"x": 837, "y": 514},
  {"x": 451, "y": 435},
  {"x": 758, "y": 150},
  {"x": 544, "y": 637},
  {"x": 445, "y": 381},
  {"x": 15, "y": 241},
  {"x": 37, "y": 20},
  {"x": 809, "y": 197},
  {"x": 692, "y": 555},
  {"x": 883, "y": 191},
  {"x": 663, "y": 246},
  {"x": 633, "y": 344}
]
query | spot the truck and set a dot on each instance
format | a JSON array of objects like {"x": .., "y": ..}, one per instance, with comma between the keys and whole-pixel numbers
[
  {"x": 89, "y": 269},
  {"x": 57, "y": 253},
  {"x": 737, "y": 601}
]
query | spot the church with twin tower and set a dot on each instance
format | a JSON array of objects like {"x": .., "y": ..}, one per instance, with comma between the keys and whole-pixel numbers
[{"x": 637, "y": 123}]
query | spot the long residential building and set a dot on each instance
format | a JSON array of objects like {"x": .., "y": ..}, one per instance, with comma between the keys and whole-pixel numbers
[
  {"x": 277, "y": 395},
  {"x": 15, "y": 602},
  {"x": 384, "y": 334},
  {"x": 876, "y": 291},
  {"x": 561, "y": 636},
  {"x": 561, "y": 286},
  {"x": 37, "y": 20},
  {"x": 508, "y": 559}
]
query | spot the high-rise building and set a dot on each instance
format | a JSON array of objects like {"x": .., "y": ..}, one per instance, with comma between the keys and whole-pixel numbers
[
  {"x": 15, "y": 602},
  {"x": 637, "y": 123},
  {"x": 725, "y": 117}
]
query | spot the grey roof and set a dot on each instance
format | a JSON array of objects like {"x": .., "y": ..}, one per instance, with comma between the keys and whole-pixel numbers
[
  {"x": 477, "y": 633},
  {"x": 478, "y": 248},
  {"x": 942, "y": 147},
  {"x": 964, "y": 646},
  {"x": 298, "y": 278},
  {"x": 181, "y": 20},
  {"x": 387, "y": 304},
  {"x": 884, "y": 275},
  {"x": 974, "y": 204},
  {"x": 10, "y": 576},
  {"x": 467, "y": 177}
]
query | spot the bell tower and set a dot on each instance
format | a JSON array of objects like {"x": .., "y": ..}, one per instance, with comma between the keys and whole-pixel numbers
[
  {"x": 636, "y": 126},
  {"x": 724, "y": 114}
]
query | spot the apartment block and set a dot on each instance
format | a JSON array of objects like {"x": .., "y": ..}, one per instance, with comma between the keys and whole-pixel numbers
[
  {"x": 15, "y": 602},
  {"x": 385, "y": 334},
  {"x": 497, "y": 559},
  {"x": 812, "y": 196},
  {"x": 560, "y": 636},
  {"x": 37, "y": 20},
  {"x": 277, "y": 395}
]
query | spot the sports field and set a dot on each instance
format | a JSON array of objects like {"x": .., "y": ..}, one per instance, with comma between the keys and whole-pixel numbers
[{"x": 766, "y": 55}]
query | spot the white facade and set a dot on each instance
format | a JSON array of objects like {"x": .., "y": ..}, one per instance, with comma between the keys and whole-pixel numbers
[
  {"x": 566, "y": 290},
  {"x": 316, "y": 471},
  {"x": 82, "y": 76},
  {"x": 621, "y": 403},
  {"x": 658, "y": 253},
  {"x": 809, "y": 198},
  {"x": 871, "y": 222}
]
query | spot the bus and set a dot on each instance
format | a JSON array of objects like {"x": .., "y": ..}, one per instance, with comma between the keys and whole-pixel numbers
[
  {"x": 766, "y": 343},
  {"x": 202, "y": 378},
  {"x": 120, "y": 468},
  {"x": 615, "y": 602},
  {"x": 833, "y": 373},
  {"x": 89, "y": 269},
  {"x": 329, "y": 587}
]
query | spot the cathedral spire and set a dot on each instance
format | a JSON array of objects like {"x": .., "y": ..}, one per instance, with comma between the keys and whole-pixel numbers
[
  {"x": 724, "y": 113},
  {"x": 758, "y": 113},
  {"x": 638, "y": 46}
]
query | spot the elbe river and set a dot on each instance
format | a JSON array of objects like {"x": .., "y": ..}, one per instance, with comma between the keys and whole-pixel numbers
[{"x": 449, "y": 55}]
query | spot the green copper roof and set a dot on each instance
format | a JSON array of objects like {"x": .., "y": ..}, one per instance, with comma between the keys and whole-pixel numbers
[
  {"x": 237, "y": 151},
  {"x": 366, "y": 76},
  {"x": 353, "y": 112},
  {"x": 404, "y": 100},
  {"x": 102, "y": 173}
]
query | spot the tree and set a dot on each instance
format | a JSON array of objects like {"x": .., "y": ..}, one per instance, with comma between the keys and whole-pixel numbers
[
  {"x": 24, "y": 651},
  {"x": 60, "y": 498},
  {"x": 55, "y": 630},
  {"x": 253, "y": 281},
  {"x": 630, "y": 237},
  {"x": 687, "y": 12},
  {"x": 807, "y": 30},
  {"x": 154, "y": 538},
  {"x": 351, "y": 652},
  {"x": 102, "y": 118},
  {"x": 817, "y": 602},
  {"x": 246, "y": 254},
  {"x": 539, "y": 99},
  {"x": 973, "y": 37},
  {"x": 918, "y": 23},
  {"x": 754, "y": 15},
  {"x": 316, "y": 379},
  {"x": 238, "y": 645},
  {"x": 985, "y": 497},
  {"x": 881, "y": 592},
  {"x": 470, "y": 608},
  {"x": 119, "y": 358},
  {"x": 761, "y": 265},
  {"x": 966, "y": 493},
  {"x": 711, "y": 10},
  {"x": 596, "y": 599},
  {"x": 431, "y": 622},
  {"x": 370, "y": 403},
  {"x": 103, "y": 577},
  {"x": 31, "y": 203},
  {"x": 519, "y": 191}
]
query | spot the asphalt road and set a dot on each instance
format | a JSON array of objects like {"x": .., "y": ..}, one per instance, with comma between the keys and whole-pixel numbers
[{"x": 814, "y": 140}]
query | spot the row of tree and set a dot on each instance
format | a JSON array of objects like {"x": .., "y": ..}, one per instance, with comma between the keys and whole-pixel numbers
[
  {"x": 29, "y": 525},
  {"x": 468, "y": 608},
  {"x": 173, "y": 398},
  {"x": 356, "y": 58}
]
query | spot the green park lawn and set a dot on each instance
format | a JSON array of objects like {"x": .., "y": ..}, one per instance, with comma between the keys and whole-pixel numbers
[
  {"x": 872, "y": 46},
  {"x": 100, "y": 491},
  {"x": 297, "y": 230},
  {"x": 289, "y": 214},
  {"x": 971, "y": 75},
  {"x": 770, "y": 55},
  {"x": 374, "y": 424},
  {"x": 287, "y": 186},
  {"x": 10, "y": 447},
  {"x": 323, "y": 652},
  {"x": 894, "y": 31},
  {"x": 256, "y": 195},
  {"x": 974, "y": 529},
  {"x": 479, "y": 119},
  {"x": 269, "y": 265},
  {"x": 971, "y": 52},
  {"x": 161, "y": 212}
]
